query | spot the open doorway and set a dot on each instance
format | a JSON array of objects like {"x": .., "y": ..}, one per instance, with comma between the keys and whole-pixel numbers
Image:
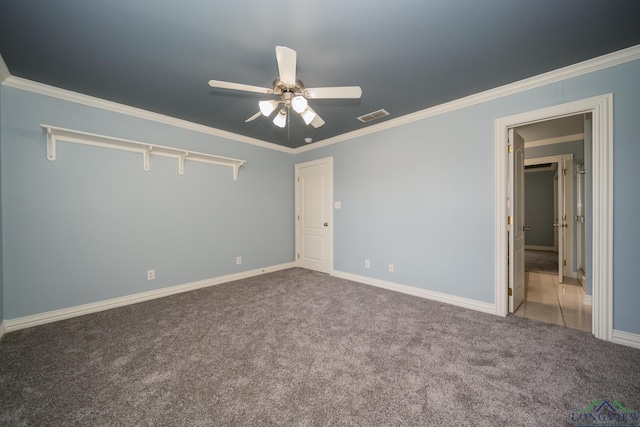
[
  {"x": 541, "y": 213},
  {"x": 552, "y": 150},
  {"x": 598, "y": 228},
  {"x": 550, "y": 200}
]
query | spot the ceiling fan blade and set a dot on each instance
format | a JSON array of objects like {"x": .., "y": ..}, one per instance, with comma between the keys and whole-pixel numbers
[
  {"x": 350, "y": 92},
  {"x": 239, "y": 86},
  {"x": 317, "y": 120},
  {"x": 255, "y": 116},
  {"x": 286, "y": 65}
]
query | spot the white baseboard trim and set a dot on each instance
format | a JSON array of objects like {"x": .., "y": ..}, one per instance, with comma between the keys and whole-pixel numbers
[
  {"x": 626, "y": 338},
  {"x": 541, "y": 248},
  {"x": 3, "y": 328},
  {"x": 572, "y": 274},
  {"x": 484, "y": 307},
  {"x": 588, "y": 300},
  {"x": 80, "y": 310}
]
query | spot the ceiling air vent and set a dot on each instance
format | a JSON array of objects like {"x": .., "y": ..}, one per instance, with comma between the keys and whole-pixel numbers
[{"x": 373, "y": 116}]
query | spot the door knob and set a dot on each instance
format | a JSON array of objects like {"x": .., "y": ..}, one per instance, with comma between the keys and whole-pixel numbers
[
  {"x": 526, "y": 228},
  {"x": 326, "y": 224}
]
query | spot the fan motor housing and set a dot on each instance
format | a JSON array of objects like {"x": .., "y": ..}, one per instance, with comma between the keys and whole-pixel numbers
[{"x": 280, "y": 88}]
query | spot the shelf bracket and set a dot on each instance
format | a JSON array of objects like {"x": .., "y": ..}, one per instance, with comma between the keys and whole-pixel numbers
[
  {"x": 51, "y": 145},
  {"x": 181, "y": 159},
  {"x": 146, "y": 158}
]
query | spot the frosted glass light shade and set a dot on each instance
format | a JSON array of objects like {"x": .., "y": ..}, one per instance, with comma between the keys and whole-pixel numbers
[
  {"x": 308, "y": 115},
  {"x": 267, "y": 107},
  {"x": 299, "y": 103},
  {"x": 281, "y": 119}
]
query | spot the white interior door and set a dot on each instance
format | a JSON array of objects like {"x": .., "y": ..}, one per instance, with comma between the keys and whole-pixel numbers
[
  {"x": 314, "y": 220},
  {"x": 560, "y": 223},
  {"x": 517, "y": 226}
]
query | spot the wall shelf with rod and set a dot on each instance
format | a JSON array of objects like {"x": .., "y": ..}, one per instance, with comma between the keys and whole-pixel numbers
[{"x": 55, "y": 134}]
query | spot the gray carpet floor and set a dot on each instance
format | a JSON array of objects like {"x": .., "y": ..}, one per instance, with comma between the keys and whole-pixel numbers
[{"x": 297, "y": 347}]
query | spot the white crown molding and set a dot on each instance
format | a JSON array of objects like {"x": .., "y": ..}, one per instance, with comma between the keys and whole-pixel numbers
[
  {"x": 556, "y": 140},
  {"x": 591, "y": 65},
  {"x": 588, "y": 66},
  {"x": 4, "y": 71},
  {"x": 78, "y": 98},
  {"x": 626, "y": 338},
  {"x": 3, "y": 328},
  {"x": 484, "y": 307},
  {"x": 80, "y": 310}
]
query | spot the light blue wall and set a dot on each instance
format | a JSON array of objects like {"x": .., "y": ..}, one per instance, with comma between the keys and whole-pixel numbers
[
  {"x": 538, "y": 212},
  {"x": 89, "y": 225},
  {"x": 422, "y": 195}
]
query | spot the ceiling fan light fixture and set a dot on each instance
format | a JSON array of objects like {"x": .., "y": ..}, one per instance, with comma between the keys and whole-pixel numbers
[
  {"x": 299, "y": 103},
  {"x": 291, "y": 92},
  {"x": 267, "y": 107},
  {"x": 308, "y": 115},
  {"x": 281, "y": 119}
]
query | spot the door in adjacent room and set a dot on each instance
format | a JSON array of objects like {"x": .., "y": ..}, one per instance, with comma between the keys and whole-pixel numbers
[
  {"x": 561, "y": 219},
  {"x": 314, "y": 215}
]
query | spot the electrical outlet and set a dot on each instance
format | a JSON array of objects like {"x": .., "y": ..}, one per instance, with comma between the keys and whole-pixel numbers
[
  {"x": 239, "y": 260},
  {"x": 391, "y": 268},
  {"x": 151, "y": 274},
  {"x": 367, "y": 263}
]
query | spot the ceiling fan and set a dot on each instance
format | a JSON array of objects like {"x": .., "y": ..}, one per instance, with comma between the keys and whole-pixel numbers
[{"x": 291, "y": 92}]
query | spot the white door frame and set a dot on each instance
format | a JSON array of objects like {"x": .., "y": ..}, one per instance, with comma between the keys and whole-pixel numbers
[
  {"x": 298, "y": 230},
  {"x": 601, "y": 269}
]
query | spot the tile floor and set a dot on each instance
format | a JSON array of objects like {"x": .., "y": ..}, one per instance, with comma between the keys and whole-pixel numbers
[{"x": 552, "y": 302}]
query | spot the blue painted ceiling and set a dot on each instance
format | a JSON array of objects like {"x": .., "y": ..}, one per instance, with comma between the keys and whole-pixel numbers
[{"x": 406, "y": 55}]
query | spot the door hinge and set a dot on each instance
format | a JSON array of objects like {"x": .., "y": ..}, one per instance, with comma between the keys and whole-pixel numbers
[
  {"x": 564, "y": 262},
  {"x": 298, "y": 255},
  {"x": 564, "y": 172},
  {"x": 298, "y": 217},
  {"x": 564, "y": 217},
  {"x": 298, "y": 179},
  {"x": 510, "y": 149},
  {"x": 510, "y": 292},
  {"x": 509, "y": 220}
]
